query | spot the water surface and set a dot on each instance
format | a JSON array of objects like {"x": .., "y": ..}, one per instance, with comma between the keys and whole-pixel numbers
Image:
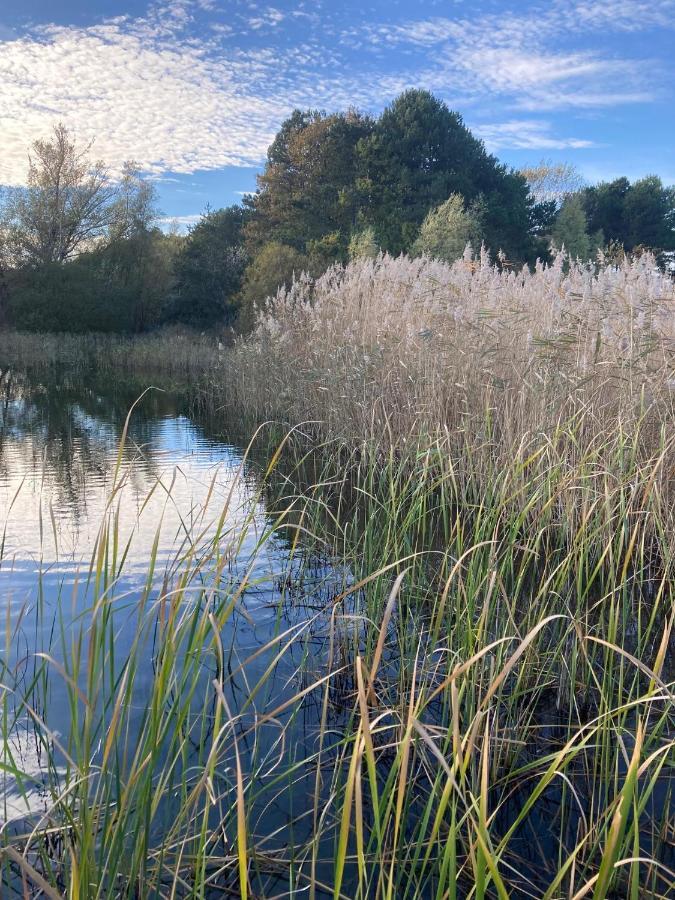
[{"x": 63, "y": 477}]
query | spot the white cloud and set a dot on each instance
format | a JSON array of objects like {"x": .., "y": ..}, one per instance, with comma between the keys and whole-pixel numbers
[
  {"x": 624, "y": 15},
  {"x": 140, "y": 93},
  {"x": 158, "y": 90},
  {"x": 526, "y": 134},
  {"x": 519, "y": 55},
  {"x": 153, "y": 89},
  {"x": 176, "y": 90},
  {"x": 425, "y": 32},
  {"x": 178, "y": 223},
  {"x": 579, "y": 98},
  {"x": 543, "y": 81},
  {"x": 514, "y": 69},
  {"x": 534, "y": 21},
  {"x": 269, "y": 17}
]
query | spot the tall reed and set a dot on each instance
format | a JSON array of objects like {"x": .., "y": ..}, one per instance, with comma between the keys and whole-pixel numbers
[
  {"x": 390, "y": 350},
  {"x": 469, "y": 691},
  {"x": 481, "y": 706},
  {"x": 172, "y": 352}
]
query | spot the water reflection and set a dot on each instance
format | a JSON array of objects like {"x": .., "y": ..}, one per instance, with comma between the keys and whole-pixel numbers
[
  {"x": 59, "y": 463},
  {"x": 59, "y": 447}
]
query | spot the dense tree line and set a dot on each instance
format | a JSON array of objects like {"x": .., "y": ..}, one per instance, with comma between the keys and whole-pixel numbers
[
  {"x": 329, "y": 177},
  {"x": 79, "y": 250}
]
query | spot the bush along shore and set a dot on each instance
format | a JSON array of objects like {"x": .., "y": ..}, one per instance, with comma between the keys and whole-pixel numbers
[{"x": 485, "y": 694}]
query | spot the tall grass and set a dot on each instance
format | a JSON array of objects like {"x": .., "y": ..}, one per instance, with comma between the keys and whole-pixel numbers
[
  {"x": 392, "y": 349},
  {"x": 482, "y": 705},
  {"x": 171, "y": 351}
]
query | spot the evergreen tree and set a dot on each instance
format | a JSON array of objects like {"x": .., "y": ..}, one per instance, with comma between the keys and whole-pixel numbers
[
  {"x": 635, "y": 215},
  {"x": 420, "y": 153},
  {"x": 650, "y": 214},
  {"x": 210, "y": 269},
  {"x": 571, "y": 230},
  {"x": 447, "y": 230},
  {"x": 604, "y": 205}
]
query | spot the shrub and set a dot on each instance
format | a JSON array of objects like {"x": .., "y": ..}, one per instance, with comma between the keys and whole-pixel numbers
[{"x": 274, "y": 266}]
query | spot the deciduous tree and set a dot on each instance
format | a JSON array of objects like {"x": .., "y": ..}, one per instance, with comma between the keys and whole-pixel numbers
[
  {"x": 548, "y": 180},
  {"x": 308, "y": 189},
  {"x": 66, "y": 206}
]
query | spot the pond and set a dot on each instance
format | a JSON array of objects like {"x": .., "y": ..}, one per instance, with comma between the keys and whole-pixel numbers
[{"x": 84, "y": 499}]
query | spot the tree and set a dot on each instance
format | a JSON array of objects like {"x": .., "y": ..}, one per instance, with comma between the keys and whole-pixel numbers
[
  {"x": 635, "y": 215},
  {"x": 508, "y": 217},
  {"x": 73, "y": 216},
  {"x": 4, "y": 292},
  {"x": 210, "y": 269},
  {"x": 550, "y": 184},
  {"x": 649, "y": 211},
  {"x": 134, "y": 206},
  {"x": 571, "y": 231},
  {"x": 71, "y": 296},
  {"x": 139, "y": 273},
  {"x": 5, "y": 268},
  {"x": 66, "y": 206},
  {"x": 542, "y": 220},
  {"x": 308, "y": 189},
  {"x": 363, "y": 244},
  {"x": 447, "y": 230},
  {"x": 605, "y": 208},
  {"x": 328, "y": 177},
  {"x": 419, "y": 153},
  {"x": 325, "y": 251},
  {"x": 136, "y": 258}
]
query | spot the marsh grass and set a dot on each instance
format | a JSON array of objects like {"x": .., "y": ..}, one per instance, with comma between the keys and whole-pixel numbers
[
  {"x": 480, "y": 706},
  {"x": 391, "y": 351},
  {"x": 484, "y": 708},
  {"x": 170, "y": 352}
]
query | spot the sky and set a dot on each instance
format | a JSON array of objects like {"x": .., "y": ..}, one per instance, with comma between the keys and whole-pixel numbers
[{"x": 194, "y": 90}]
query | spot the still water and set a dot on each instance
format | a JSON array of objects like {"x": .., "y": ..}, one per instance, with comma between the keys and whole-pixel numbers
[
  {"x": 58, "y": 455},
  {"x": 63, "y": 477}
]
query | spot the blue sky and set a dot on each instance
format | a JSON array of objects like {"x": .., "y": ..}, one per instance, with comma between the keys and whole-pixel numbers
[{"x": 194, "y": 90}]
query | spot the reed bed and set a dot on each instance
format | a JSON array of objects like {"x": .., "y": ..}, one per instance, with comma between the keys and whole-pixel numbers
[
  {"x": 481, "y": 705},
  {"x": 390, "y": 350},
  {"x": 478, "y": 703},
  {"x": 172, "y": 352}
]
